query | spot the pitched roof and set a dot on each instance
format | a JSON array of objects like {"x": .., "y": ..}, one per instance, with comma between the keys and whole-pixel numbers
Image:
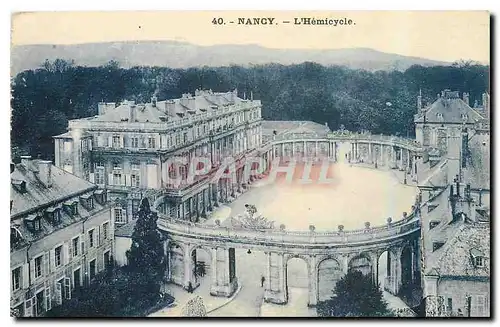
[
  {"x": 449, "y": 110},
  {"x": 37, "y": 194},
  {"x": 454, "y": 258},
  {"x": 126, "y": 230},
  {"x": 478, "y": 173},
  {"x": 172, "y": 109}
]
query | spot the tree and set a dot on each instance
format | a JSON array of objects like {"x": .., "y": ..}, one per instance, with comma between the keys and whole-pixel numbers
[
  {"x": 355, "y": 296},
  {"x": 146, "y": 257}
]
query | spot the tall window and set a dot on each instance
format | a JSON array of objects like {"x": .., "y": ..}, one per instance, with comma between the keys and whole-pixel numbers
[
  {"x": 38, "y": 266},
  {"x": 16, "y": 279},
  {"x": 117, "y": 178},
  {"x": 116, "y": 141},
  {"x": 105, "y": 230},
  {"x": 151, "y": 142},
  {"x": 134, "y": 142},
  {"x": 91, "y": 238},
  {"x": 74, "y": 246},
  {"x": 58, "y": 256},
  {"x": 135, "y": 175},
  {"x": 185, "y": 137},
  {"x": 119, "y": 216}
]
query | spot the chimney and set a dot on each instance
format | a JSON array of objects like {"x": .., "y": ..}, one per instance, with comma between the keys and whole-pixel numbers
[
  {"x": 486, "y": 104},
  {"x": 101, "y": 108},
  {"x": 251, "y": 95},
  {"x": 466, "y": 98},
  {"x": 154, "y": 99},
  {"x": 45, "y": 172},
  {"x": 419, "y": 101},
  {"x": 132, "y": 113},
  {"x": 25, "y": 160}
]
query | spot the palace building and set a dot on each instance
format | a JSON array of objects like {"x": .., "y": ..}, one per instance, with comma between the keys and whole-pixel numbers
[
  {"x": 61, "y": 235},
  {"x": 125, "y": 149}
]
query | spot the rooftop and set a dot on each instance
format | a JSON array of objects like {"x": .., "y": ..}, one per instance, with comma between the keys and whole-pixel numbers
[
  {"x": 37, "y": 194},
  {"x": 449, "y": 108},
  {"x": 283, "y": 127},
  {"x": 455, "y": 259},
  {"x": 167, "y": 110}
]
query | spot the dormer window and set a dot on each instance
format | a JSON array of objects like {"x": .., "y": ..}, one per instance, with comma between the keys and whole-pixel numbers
[
  {"x": 33, "y": 222},
  {"x": 87, "y": 201},
  {"x": 19, "y": 185},
  {"x": 100, "y": 196},
  {"x": 439, "y": 115},
  {"x": 437, "y": 246},
  {"x": 71, "y": 207},
  {"x": 464, "y": 117},
  {"x": 53, "y": 215},
  {"x": 433, "y": 223},
  {"x": 477, "y": 258}
]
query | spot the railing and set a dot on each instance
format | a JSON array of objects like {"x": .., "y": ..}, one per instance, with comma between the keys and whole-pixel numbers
[{"x": 284, "y": 237}]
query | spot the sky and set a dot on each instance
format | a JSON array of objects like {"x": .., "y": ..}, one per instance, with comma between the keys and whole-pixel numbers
[{"x": 438, "y": 35}]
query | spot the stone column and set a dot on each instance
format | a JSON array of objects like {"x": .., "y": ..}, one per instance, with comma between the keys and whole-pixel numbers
[
  {"x": 401, "y": 159},
  {"x": 408, "y": 161},
  {"x": 293, "y": 149},
  {"x": 188, "y": 268},
  {"x": 395, "y": 271},
  {"x": 276, "y": 292},
  {"x": 382, "y": 161},
  {"x": 316, "y": 149},
  {"x": 345, "y": 263},
  {"x": 374, "y": 262},
  {"x": 214, "y": 284},
  {"x": 223, "y": 285},
  {"x": 370, "y": 152},
  {"x": 313, "y": 282}
]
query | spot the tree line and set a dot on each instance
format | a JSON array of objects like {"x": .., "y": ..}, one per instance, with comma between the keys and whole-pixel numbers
[{"x": 44, "y": 99}]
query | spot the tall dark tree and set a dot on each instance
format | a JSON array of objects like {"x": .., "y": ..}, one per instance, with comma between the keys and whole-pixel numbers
[
  {"x": 146, "y": 257},
  {"x": 355, "y": 295}
]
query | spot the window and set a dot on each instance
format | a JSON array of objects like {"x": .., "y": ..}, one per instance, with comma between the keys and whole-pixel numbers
[
  {"x": 185, "y": 137},
  {"x": 151, "y": 142},
  {"x": 134, "y": 166},
  {"x": 92, "y": 269},
  {"x": 177, "y": 139},
  {"x": 480, "y": 306},
  {"x": 117, "y": 178},
  {"x": 91, "y": 238},
  {"x": 105, "y": 230},
  {"x": 437, "y": 245},
  {"x": 119, "y": 215},
  {"x": 99, "y": 176},
  {"x": 479, "y": 261},
  {"x": 135, "y": 179},
  {"x": 38, "y": 266},
  {"x": 107, "y": 259},
  {"x": 74, "y": 246},
  {"x": 433, "y": 224},
  {"x": 134, "y": 142},
  {"x": 58, "y": 256},
  {"x": 16, "y": 279},
  {"x": 449, "y": 305},
  {"x": 74, "y": 208},
  {"x": 116, "y": 141}
]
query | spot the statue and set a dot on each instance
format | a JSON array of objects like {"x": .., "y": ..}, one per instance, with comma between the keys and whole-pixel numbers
[{"x": 251, "y": 220}]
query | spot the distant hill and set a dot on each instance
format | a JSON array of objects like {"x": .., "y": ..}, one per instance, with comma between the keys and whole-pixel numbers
[{"x": 182, "y": 55}]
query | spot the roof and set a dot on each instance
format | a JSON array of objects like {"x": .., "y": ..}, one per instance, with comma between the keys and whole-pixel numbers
[
  {"x": 172, "y": 109},
  {"x": 478, "y": 173},
  {"x": 125, "y": 230},
  {"x": 449, "y": 109},
  {"x": 454, "y": 258},
  {"x": 37, "y": 194}
]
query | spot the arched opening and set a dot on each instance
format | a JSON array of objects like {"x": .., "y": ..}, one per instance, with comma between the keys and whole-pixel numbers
[
  {"x": 406, "y": 267},
  {"x": 202, "y": 270},
  {"x": 329, "y": 273},
  {"x": 176, "y": 263},
  {"x": 297, "y": 282},
  {"x": 361, "y": 263},
  {"x": 384, "y": 269}
]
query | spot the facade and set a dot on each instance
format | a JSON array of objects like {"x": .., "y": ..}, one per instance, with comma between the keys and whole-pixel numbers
[
  {"x": 126, "y": 148},
  {"x": 455, "y": 231},
  {"x": 61, "y": 235}
]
